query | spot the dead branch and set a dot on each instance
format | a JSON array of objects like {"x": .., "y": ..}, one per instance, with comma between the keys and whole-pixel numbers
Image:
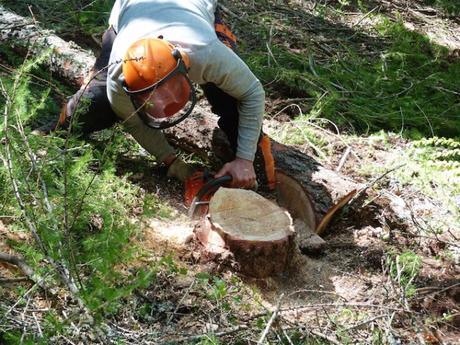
[
  {"x": 270, "y": 322},
  {"x": 343, "y": 159},
  {"x": 373, "y": 182},
  {"x": 199, "y": 336},
  {"x": 4, "y": 281},
  {"x": 25, "y": 268}
]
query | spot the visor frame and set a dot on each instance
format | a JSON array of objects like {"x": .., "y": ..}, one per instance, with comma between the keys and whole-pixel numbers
[{"x": 180, "y": 68}]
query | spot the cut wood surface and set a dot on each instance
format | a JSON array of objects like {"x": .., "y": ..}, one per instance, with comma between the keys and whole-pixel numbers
[
  {"x": 244, "y": 214},
  {"x": 307, "y": 189},
  {"x": 257, "y": 232},
  {"x": 324, "y": 188}
]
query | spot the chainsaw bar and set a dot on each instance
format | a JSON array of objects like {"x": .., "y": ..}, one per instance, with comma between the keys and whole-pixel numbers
[{"x": 210, "y": 186}]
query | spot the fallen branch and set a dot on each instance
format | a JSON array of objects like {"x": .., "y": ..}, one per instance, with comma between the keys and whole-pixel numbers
[
  {"x": 4, "y": 281},
  {"x": 270, "y": 322},
  {"x": 199, "y": 336},
  {"x": 373, "y": 182},
  {"x": 365, "y": 322},
  {"x": 343, "y": 159},
  {"x": 21, "y": 264}
]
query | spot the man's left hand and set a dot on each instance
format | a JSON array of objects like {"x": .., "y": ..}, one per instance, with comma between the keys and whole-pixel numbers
[{"x": 242, "y": 172}]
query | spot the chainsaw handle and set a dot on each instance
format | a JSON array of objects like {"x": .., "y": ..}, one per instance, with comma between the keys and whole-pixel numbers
[
  {"x": 207, "y": 187},
  {"x": 213, "y": 183}
]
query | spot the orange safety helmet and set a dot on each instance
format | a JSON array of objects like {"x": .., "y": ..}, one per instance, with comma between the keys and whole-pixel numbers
[{"x": 155, "y": 78}]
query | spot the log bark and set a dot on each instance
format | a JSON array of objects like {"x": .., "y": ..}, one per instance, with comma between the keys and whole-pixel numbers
[
  {"x": 314, "y": 196},
  {"x": 66, "y": 59}
]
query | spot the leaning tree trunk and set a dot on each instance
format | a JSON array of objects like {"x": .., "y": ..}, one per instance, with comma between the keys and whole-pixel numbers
[{"x": 298, "y": 174}]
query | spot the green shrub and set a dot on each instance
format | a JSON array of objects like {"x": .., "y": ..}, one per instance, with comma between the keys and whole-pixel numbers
[{"x": 69, "y": 193}]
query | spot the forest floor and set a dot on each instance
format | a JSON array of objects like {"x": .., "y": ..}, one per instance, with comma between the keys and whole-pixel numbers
[{"x": 390, "y": 273}]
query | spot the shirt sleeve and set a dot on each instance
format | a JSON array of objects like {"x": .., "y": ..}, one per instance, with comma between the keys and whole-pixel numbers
[
  {"x": 153, "y": 140},
  {"x": 225, "y": 69},
  {"x": 114, "y": 15}
]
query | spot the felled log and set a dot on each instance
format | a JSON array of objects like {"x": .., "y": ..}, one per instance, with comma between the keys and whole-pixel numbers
[
  {"x": 66, "y": 59},
  {"x": 311, "y": 192},
  {"x": 258, "y": 233}
]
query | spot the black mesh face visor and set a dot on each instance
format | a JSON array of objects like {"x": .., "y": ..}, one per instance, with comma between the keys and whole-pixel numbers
[{"x": 168, "y": 101}]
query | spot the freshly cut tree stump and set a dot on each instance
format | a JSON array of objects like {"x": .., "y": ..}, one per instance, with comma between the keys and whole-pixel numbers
[{"x": 257, "y": 232}]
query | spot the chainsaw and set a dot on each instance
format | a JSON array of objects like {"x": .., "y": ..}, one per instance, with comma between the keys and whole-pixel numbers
[{"x": 200, "y": 202}]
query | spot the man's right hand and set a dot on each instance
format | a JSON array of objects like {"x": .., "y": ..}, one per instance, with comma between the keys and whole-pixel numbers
[{"x": 242, "y": 172}]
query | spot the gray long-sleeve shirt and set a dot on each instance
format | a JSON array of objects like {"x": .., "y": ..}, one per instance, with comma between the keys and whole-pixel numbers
[{"x": 190, "y": 25}]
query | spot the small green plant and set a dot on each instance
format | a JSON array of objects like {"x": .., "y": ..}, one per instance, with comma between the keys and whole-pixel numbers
[
  {"x": 219, "y": 289},
  {"x": 14, "y": 338},
  {"x": 210, "y": 340},
  {"x": 451, "y": 8},
  {"x": 404, "y": 268},
  {"x": 434, "y": 167},
  {"x": 172, "y": 266}
]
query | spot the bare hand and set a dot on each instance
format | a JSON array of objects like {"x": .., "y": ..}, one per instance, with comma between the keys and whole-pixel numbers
[{"x": 242, "y": 172}]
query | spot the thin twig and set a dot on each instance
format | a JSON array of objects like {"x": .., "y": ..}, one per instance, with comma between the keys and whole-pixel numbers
[
  {"x": 365, "y": 322},
  {"x": 13, "y": 280},
  {"x": 180, "y": 302},
  {"x": 343, "y": 159},
  {"x": 373, "y": 182},
  {"x": 324, "y": 336},
  {"x": 270, "y": 322},
  {"x": 40, "y": 333},
  {"x": 364, "y": 17},
  {"x": 20, "y": 299},
  {"x": 199, "y": 336},
  {"x": 336, "y": 305}
]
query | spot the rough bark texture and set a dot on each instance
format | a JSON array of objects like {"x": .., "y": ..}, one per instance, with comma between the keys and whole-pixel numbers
[{"x": 66, "y": 59}]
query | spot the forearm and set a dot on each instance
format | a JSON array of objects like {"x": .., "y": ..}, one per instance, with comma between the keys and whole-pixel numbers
[{"x": 251, "y": 110}]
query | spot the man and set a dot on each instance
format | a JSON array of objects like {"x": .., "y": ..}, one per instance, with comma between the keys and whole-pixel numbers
[{"x": 157, "y": 49}]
